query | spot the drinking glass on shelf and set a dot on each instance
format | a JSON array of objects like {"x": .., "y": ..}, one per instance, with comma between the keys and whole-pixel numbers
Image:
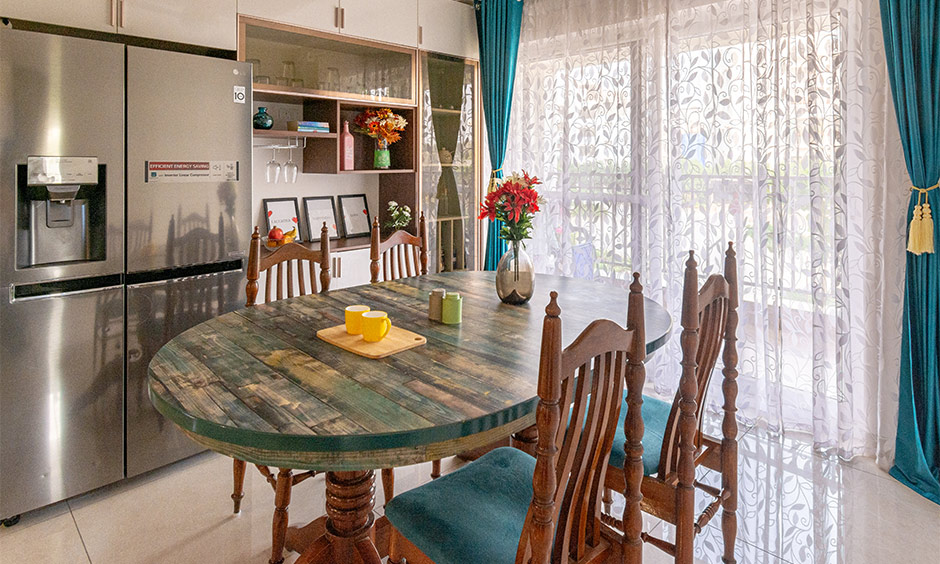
[
  {"x": 290, "y": 167},
  {"x": 297, "y": 82},
  {"x": 287, "y": 69},
  {"x": 273, "y": 170},
  {"x": 282, "y": 81},
  {"x": 255, "y": 65},
  {"x": 332, "y": 78},
  {"x": 261, "y": 79}
]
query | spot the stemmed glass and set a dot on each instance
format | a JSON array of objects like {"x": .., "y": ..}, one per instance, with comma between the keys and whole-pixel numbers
[
  {"x": 273, "y": 170},
  {"x": 290, "y": 167}
]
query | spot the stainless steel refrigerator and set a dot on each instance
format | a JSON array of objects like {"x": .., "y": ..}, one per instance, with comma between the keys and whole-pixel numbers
[{"x": 124, "y": 219}]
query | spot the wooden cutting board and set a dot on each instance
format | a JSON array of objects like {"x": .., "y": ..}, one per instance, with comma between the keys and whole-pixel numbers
[{"x": 397, "y": 340}]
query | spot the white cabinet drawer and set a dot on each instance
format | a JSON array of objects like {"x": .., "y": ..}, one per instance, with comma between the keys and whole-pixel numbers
[
  {"x": 391, "y": 21},
  {"x": 209, "y": 23},
  {"x": 448, "y": 27},
  {"x": 311, "y": 14},
  {"x": 350, "y": 268}
]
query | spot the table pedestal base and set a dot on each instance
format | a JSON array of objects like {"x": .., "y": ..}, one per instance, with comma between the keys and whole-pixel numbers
[{"x": 347, "y": 534}]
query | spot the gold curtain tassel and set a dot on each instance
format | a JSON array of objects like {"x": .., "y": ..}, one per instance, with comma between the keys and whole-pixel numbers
[
  {"x": 913, "y": 234},
  {"x": 926, "y": 230},
  {"x": 921, "y": 234},
  {"x": 494, "y": 180}
]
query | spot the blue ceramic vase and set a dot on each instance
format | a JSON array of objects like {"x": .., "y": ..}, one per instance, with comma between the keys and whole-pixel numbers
[{"x": 263, "y": 119}]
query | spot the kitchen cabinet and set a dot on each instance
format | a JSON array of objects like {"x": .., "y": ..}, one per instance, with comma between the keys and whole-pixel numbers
[
  {"x": 208, "y": 23},
  {"x": 448, "y": 27},
  {"x": 97, "y": 15},
  {"x": 352, "y": 267},
  {"x": 391, "y": 21},
  {"x": 450, "y": 160},
  {"x": 313, "y": 14}
]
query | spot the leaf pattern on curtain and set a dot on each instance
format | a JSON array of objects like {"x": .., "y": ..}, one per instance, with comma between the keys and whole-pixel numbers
[{"x": 685, "y": 124}]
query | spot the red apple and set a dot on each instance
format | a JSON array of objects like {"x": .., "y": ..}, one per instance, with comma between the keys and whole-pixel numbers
[{"x": 276, "y": 234}]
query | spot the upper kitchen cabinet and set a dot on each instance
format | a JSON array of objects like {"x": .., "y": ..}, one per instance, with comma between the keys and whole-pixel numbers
[
  {"x": 207, "y": 23},
  {"x": 448, "y": 27},
  {"x": 323, "y": 15},
  {"x": 390, "y": 21},
  {"x": 298, "y": 63},
  {"x": 97, "y": 15}
]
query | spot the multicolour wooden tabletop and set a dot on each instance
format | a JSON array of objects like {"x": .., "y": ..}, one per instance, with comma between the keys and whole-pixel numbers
[{"x": 259, "y": 385}]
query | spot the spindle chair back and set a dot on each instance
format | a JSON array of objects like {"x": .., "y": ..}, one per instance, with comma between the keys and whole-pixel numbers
[{"x": 401, "y": 255}]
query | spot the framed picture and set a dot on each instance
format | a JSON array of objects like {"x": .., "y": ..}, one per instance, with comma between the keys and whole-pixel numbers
[
  {"x": 355, "y": 213},
  {"x": 317, "y": 210},
  {"x": 283, "y": 213}
]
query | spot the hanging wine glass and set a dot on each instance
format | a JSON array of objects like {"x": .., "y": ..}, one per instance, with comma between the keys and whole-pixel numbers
[
  {"x": 273, "y": 171},
  {"x": 290, "y": 168}
]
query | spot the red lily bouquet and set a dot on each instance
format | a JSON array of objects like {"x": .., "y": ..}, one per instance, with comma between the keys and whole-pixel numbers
[{"x": 515, "y": 203}]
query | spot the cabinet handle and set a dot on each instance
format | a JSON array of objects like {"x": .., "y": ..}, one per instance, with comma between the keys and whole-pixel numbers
[
  {"x": 113, "y": 13},
  {"x": 342, "y": 18},
  {"x": 122, "y": 13},
  {"x": 336, "y": 17},
  {"x": 420, "y": 34}
]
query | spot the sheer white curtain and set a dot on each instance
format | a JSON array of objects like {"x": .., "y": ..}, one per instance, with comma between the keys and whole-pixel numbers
[{"x": 674, "y": 125}]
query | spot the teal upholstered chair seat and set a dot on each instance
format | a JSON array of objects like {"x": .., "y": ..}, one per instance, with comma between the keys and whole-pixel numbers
[
  {"x": 655, "y": 414},
  {"x": 474, "y": 514}
]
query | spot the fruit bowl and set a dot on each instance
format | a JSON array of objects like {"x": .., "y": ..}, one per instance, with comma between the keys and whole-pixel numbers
[
  {"x": 283, "y": 239},
  {"x": 272, "y": 243}
]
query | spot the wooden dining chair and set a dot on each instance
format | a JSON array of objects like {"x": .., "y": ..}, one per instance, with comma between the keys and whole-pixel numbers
[
  {"x": 401, "y": 255},
  {"x": 506, "y": 506},
  {"x": 659, "y": 474},
  {"x": 284, "y": 271}
]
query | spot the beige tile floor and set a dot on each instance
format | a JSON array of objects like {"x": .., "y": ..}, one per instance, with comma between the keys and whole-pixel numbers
[{"x": 796, "y": 506}]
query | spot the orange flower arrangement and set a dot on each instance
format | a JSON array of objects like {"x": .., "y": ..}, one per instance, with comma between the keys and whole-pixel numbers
[{"x": 381, "y": 124}]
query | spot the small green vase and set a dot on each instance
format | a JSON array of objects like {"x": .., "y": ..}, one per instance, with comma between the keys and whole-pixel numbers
[{"x": 383, "y": 158}]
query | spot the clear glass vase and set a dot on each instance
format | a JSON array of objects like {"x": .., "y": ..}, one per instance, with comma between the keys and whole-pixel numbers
[{"x": 515, "y": 275}]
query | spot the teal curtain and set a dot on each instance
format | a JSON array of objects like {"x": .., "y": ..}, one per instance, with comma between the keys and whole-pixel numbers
[
  {"x": 912, "y": 47},
  {"x": 498, "y": 25}
]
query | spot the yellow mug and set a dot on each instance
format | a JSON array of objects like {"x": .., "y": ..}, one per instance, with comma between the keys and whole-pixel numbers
[
  {"x": 354, "y": 318},
  {"x": 375, "y": 326}
]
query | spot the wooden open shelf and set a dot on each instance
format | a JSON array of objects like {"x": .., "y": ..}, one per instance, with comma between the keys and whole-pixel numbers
[
  {"x": 282, "y": 133},
  {"x": 290, "y": 95},
  {"x": 378, "y": 171}
]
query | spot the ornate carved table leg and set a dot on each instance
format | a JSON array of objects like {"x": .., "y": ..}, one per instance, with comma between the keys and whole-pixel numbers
[
  {"x": 526, "y": 439},
  {"x": 350, "y": 497}
]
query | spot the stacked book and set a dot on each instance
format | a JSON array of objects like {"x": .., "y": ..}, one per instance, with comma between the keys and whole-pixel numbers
[{"x": 309, "y": 126}]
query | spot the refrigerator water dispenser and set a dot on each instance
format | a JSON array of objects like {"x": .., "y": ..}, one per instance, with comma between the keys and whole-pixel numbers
[{"x": 61, "y": 211}]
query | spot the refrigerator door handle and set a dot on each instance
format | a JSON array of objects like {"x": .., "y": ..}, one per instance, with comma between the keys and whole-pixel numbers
[
  {"x": 67, "y": 294},
  {"x": 182, "y": 278}
]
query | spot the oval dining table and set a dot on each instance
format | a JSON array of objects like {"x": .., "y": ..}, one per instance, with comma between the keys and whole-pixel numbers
[{"x": 258, "y": 384}]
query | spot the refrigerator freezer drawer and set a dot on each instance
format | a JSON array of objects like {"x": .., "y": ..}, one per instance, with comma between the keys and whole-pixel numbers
[
  {"x": 61, "y": 395},
  {"x": 157, "y": 312}
]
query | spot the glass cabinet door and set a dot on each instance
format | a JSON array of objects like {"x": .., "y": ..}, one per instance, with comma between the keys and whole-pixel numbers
[
  {"x": 450, "y": 176},
  {"x": 291, "y": 60}
]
